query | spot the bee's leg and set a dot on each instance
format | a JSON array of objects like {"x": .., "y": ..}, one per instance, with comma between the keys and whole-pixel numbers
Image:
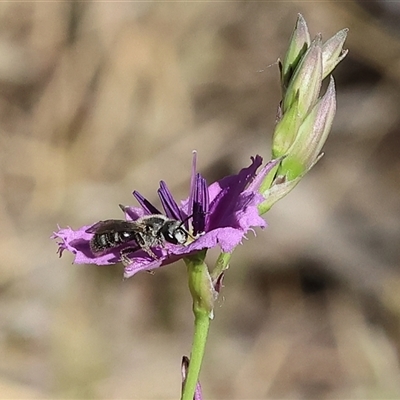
[
  {"x": 124, "y": 255},
  {"x": 150, "y": 252},
  {"x": 145, "y": 242},
  {"x": 165, "y": 248},
  {"x": 126, "y": 260}
]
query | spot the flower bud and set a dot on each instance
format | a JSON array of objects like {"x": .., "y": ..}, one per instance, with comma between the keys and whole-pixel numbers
[
  {"x": 299, "y": 42},
  {"x": 306, "y": 81},
  {"x": 286, "y": 130},
  {"x": 304, "y": 119},
  {"x": 333, "y": 53},
  {"x": 310, "y": 137}
]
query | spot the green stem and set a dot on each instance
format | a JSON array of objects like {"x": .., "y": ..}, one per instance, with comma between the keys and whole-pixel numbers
[
  {"x": 203, "y": 295},
  {"x": 201, "y": 328}
]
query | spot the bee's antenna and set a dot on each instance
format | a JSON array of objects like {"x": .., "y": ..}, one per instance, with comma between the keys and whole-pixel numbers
[
  {"x": 186, "y": 220},
  {"x": 190, "y": 216}
]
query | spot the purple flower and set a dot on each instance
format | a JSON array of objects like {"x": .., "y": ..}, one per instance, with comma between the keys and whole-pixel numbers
[{"x": 220, "y": 214}]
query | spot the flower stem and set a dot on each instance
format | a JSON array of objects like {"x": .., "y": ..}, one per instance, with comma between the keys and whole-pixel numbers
[
  {"x": 201, "y": 327},
  {"x": 203, "y": 295}
]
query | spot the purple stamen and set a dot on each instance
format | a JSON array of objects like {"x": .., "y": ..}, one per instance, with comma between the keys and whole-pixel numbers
[
  {"x": 192, "y": 183},
  {"x": 145, "y": 204},
  {"x": 200, "y": 204},
  {"x": 168, "y": 202}
]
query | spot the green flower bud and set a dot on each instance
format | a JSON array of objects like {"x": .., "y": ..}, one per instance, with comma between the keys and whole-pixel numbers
[
  {"x": 311, "y": 136},
  {"x": 299, "y": 42},
  {"x": 306, "y": 81},
  {"x": 304, "y": 119},
  {"x": 333, "y": 53},
  {"x": 286, "y": 130}
]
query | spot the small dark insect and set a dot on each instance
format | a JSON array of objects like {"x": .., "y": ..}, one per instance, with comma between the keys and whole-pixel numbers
[{"x": 148, "y": 231}]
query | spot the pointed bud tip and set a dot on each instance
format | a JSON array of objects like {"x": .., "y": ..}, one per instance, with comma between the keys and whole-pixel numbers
[
  {"x": 331, "y": 89},
  {"x": 301, "y": 24},
  {"x": 342, "y": 34},
  {"x": 317, "y": 41},
  {"x": 328, "y": 100},
  {"x": 300, "y": 18}
]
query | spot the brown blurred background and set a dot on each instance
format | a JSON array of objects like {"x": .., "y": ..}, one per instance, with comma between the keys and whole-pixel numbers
[{"x": 98, "y": 99}]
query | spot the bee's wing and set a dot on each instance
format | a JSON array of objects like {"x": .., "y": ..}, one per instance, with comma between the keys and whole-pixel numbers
[
  {"x": 112, "y": 225},
  {"x": 110, "y": 234}
]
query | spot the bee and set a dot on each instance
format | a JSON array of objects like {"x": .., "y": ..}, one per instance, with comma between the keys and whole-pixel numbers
[{"x": 146, "y": 232}]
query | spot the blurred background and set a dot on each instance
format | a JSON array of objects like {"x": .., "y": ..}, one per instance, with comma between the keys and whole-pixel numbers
[{"x": 99, "y": 99}]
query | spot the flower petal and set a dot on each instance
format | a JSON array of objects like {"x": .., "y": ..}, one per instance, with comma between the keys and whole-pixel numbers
[
  {"x": 77, "y": 242},
  {"x": 232, "y": 197},
  {"x": 141, "y": 264},
  {"x": 238, "y": 181}
]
